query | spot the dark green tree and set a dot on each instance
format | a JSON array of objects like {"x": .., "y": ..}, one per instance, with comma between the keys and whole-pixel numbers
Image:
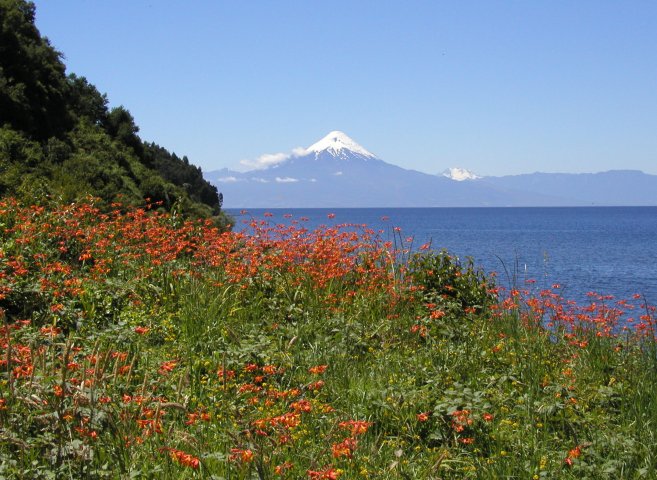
[
  {"x": 86, "y": 101},
  {"x": 121, "y": 125},
  {"x": 180, "y": 171},
  {"x": 33, "y": 86},
  {"x": 59, "y": 140}
]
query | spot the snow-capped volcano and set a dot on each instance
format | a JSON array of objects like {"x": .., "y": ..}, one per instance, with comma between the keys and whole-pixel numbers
[
  {"x": 335, "y": 145},
  {"x": 338, "y": 172},
  {"x": 338, "y": 144},
  {"x": 460, "y": 174}
]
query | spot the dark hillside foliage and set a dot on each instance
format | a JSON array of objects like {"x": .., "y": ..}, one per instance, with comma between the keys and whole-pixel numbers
[
  {"x": 59, "y": 140},
  {"x": 32, "y": 79},
  {"x": 180, "y": 172}
]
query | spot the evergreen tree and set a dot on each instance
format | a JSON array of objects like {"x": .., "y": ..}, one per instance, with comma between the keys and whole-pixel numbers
[
  {"x": 33, "y": 86},
  {"x": 59, "y": 140}
]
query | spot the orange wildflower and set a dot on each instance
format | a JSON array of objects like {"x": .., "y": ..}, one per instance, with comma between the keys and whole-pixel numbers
[
  {"x": 282, "y": 468},
  {"x": 167, "y": 367},
  {"x": 460, "y": 420},
  {"x": 318, "y": 369},
  {"x": 301, "y": 406},
  {"x": 183, "y": 458},
  {"x": 345, "y": 448},
  {"x": 242, "y": 455},
  {"x": 316, "y": 385},
  {"x": 356, "y": 427},
  {"x": 50, "y": 331},
  {"x": 572, "y": 454},
  {"x": 327, "y": 474}
]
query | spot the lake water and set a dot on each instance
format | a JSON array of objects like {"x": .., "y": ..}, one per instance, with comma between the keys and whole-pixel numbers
[{"x": 608, "y": 250}]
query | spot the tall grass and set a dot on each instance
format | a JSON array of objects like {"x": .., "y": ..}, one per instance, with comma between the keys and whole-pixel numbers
[{"x": 134, "y": 345}]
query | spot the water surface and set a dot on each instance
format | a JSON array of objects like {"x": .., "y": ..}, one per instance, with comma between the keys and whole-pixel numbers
[{"x": 608, "y": 250}]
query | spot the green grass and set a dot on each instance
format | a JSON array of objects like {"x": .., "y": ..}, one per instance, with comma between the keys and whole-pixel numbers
[{"x": 137, "y": 346}]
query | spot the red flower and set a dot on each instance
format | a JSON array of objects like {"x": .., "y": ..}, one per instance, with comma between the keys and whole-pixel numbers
[
  {"x": 50, "y": 331},
  {"x": 250, "y": 367},
  {"x": 327, "y": 474},
  {"x": 318, "y": 369},
  {"x": 345, "y": 448},
  {"x": 282, "y": 468},
  {"x": 243, "y": 455},
  {"x": 301, "y": 406},
  {"x": 167, "y": 367},
  {"x": 572, "y": 454},
  {"x": 316, "y": 385},
  {"x": 357, "y": 427},
  {"x": 184, "y": 459}
]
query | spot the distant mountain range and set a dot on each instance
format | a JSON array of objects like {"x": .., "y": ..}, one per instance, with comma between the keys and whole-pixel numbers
[{"x": 337, "y": 172}]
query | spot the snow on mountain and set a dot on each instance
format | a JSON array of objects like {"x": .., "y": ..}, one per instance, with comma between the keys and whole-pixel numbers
[
  {"x": 460, "y": 174},
  {"x": 338, "y": 172},
  {"x": 334, "y": 145},
  {"x": 338, "y": 144}
]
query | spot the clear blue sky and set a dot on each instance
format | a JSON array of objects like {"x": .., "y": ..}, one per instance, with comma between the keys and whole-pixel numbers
[{"x": 498, "y": 87}]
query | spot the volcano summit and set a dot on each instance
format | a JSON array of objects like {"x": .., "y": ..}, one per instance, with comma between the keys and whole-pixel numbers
[{"x": 337, "y": 172}]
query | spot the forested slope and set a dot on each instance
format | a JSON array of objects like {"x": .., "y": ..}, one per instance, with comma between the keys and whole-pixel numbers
[{"x": 59, "y": 140}]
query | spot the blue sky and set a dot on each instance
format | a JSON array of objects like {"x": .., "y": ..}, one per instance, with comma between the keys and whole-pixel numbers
[{"x": 498, "y": 87}]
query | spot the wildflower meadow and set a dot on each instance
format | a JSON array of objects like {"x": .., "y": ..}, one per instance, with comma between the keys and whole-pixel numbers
[{"x": 140, "y": 344}]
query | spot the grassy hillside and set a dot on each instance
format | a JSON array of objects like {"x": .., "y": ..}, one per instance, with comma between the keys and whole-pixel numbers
[
  {"x": 137, "y": 344},
  {"x": 60, "y": 142}
]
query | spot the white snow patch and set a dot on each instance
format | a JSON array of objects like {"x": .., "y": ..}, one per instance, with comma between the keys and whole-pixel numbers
[
  {"x": 460, "y": 174},
  {"x": 336, "y": 143},
  {"x": 227, "y": 179}
]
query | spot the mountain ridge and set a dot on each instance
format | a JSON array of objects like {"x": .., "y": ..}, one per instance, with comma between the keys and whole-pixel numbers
[{"x": 337, "y": 172}]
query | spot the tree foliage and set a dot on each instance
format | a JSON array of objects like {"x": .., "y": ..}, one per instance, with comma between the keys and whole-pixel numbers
[
  {"x": 60, "y": 141},
  {"x": 32, "y": 79}
]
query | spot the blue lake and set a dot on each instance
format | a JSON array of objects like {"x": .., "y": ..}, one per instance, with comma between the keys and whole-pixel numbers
[{"x": 608, "y": 250}]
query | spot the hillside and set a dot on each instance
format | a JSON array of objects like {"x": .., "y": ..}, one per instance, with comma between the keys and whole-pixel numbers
[{"x": 60, "y": 141}]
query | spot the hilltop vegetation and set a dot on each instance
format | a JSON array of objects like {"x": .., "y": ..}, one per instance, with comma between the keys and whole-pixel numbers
[{"x": 59, "y": 140}]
